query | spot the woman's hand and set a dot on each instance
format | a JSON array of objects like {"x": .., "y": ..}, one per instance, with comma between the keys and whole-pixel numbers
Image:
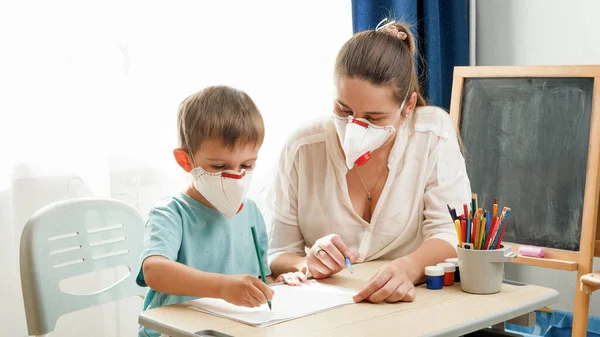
[
  {"x": 390, "y": 284},
  {"x": 293, "y": 278},
  {"x": 327, "y": 256}
]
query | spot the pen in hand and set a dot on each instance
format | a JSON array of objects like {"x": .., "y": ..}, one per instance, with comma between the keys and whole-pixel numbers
[
  {"x": 349, "y": 265},
  {"x": 258, "y": 255}
]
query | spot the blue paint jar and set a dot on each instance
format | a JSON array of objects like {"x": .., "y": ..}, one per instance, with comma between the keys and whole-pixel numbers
[
  {"x": 457, "y": 272},
  {"x": 435, "y": 277}
]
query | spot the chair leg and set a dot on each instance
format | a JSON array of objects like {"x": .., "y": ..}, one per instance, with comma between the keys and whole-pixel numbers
[{"x": 581, "y": 309}]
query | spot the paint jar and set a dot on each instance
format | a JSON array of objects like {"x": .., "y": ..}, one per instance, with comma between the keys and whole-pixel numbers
[
  {"x": 449, "y": 270},
  {"x": 454, "y": 260},
  {"x": 435, "y": 277},
  {"x": 482, "y": 271}
]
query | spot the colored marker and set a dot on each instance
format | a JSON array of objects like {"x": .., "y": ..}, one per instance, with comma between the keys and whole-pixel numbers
[
  {"x": 260, "y": 265},
  {"x": 349, "y": 265},
  {"x": 463, "y": 228},
  {"x": 458, "y": 232},
  {"x": 466, "y": 211},
  {"x": 468, "y": 236},
  {"x": 452, "y": 212},
  {"x": 473, "y": 204}
]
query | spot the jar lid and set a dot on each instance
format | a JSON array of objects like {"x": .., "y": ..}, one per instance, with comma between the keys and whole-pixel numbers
[
  {"x": 434, "y": 271},
  {"x": 453, "y": 260},
  {"x": 448, "y": 267}
]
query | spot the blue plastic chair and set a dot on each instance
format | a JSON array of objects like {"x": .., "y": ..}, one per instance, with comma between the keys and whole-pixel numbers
[{"x": 75, "y": 237}]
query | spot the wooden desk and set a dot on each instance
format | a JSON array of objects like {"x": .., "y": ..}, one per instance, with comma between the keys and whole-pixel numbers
[{"x": 447, "y": 312}]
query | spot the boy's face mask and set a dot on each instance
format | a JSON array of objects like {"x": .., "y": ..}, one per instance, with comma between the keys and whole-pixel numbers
[
  {"x": 225, "y": 190},
  {"x": 359, "y": 137}
]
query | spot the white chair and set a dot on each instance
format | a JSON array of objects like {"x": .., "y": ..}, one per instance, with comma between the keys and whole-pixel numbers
[{"x": 71, "y": 238}]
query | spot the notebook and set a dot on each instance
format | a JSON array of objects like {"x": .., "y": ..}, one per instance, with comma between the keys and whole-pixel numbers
[{"x": 289, "y": 302}]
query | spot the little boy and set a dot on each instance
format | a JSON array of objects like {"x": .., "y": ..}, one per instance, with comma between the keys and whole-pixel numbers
[{"x": 199, "y": 243}]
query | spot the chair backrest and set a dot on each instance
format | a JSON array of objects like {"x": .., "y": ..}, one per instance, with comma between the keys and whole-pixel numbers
[{"x": 75, "y": 237}]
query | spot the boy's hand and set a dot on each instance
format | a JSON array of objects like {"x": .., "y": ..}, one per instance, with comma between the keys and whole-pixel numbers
[
  {"x": 246, "y": 291},
  {"x": 293, "y": 278}
]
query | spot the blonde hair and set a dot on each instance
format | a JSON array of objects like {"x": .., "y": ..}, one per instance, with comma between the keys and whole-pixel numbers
[
  {"x": 219, "y": 112},
  {"x": 385, "y": 56}
]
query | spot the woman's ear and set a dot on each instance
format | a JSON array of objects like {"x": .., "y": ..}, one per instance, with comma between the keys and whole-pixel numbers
[
  {"x": 183, "y": 159},
  {"x": 410, "y": 105}
]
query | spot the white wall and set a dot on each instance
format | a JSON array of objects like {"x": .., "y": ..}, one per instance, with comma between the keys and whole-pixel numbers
[
  {"x": 540, "y": 32},
  {"x": 89, "y": 94}
]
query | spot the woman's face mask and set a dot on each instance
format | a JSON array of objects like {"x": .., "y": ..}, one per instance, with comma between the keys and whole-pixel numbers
[{"x": 359, "y": 137}]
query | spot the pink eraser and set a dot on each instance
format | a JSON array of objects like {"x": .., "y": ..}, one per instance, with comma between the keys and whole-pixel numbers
[{"x": 531, "y": 251}]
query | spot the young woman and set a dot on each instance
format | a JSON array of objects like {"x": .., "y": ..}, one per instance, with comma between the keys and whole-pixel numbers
[{"x": 371, "y": 181}]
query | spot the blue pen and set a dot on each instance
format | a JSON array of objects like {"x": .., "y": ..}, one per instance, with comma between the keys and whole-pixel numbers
[{"x": 349, "y": 265}]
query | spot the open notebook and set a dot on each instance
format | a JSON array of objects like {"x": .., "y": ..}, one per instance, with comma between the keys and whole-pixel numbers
[{"x": 289, "y": 302}]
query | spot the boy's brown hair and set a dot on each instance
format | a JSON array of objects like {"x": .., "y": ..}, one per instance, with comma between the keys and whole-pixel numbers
[{"x": 219, "y": 112}]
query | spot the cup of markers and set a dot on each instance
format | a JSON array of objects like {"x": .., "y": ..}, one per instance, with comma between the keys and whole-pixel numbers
[{"x": 481, "y": 255}]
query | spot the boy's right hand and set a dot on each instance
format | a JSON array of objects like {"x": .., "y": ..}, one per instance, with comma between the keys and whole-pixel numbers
[{"x": 246, "y": 291}]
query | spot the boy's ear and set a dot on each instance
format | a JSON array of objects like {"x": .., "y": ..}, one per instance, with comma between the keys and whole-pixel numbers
[{"x": 183, "y": 159}]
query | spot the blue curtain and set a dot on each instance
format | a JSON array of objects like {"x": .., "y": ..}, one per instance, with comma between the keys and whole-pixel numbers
[{"x": 441, "y": 29}]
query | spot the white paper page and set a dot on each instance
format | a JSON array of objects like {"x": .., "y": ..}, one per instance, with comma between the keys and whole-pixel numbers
[{"x": 289, "y": 302}]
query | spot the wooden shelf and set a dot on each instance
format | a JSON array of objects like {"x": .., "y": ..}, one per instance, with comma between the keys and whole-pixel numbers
[
  {"x": 546, "y": 263},
  {"x": 590, "y": 282},
  {"x": 553, "y": 259}
]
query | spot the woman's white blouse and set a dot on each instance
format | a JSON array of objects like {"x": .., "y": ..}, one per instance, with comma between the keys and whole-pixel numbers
[{"x": 309, "y": 198}]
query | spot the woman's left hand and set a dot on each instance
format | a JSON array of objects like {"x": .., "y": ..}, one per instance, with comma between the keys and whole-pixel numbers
[{"x": 390, "y": 284}]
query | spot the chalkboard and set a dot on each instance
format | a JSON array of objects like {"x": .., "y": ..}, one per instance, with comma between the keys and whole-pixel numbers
[{"x": 526, "y": 142}]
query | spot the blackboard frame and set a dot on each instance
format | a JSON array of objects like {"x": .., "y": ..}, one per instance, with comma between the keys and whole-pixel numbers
[{"x": 581, "y": 261}]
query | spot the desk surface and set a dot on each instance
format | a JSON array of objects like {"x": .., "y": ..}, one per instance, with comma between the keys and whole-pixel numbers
[{"x": 447, "y": 312}]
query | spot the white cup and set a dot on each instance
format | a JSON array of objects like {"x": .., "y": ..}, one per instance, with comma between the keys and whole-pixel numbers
[{"x": 482, "y": 271}]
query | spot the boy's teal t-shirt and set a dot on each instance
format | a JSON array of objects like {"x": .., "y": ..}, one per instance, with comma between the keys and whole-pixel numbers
[{"x": 182, "y": 229}]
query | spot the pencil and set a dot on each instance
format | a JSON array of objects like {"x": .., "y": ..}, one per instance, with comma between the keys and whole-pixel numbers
[
  {"x": 451, "y": 211},
  {"x": 486, "y": 230},
  {"x": 491, "y": 233},
  {"x": 259, "y": 256},
  {"x": 476, "y": 227},
  {"x": 498, "y": 231},
  {"x": 468, "y": 236},
  {"x": 505, "y": 220},
  {"x": 463, "y": 228},
  {"x": 481, "y": 233},
  {"x": 495, "y": 208},
  {"x": 458, "y": 232}
]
